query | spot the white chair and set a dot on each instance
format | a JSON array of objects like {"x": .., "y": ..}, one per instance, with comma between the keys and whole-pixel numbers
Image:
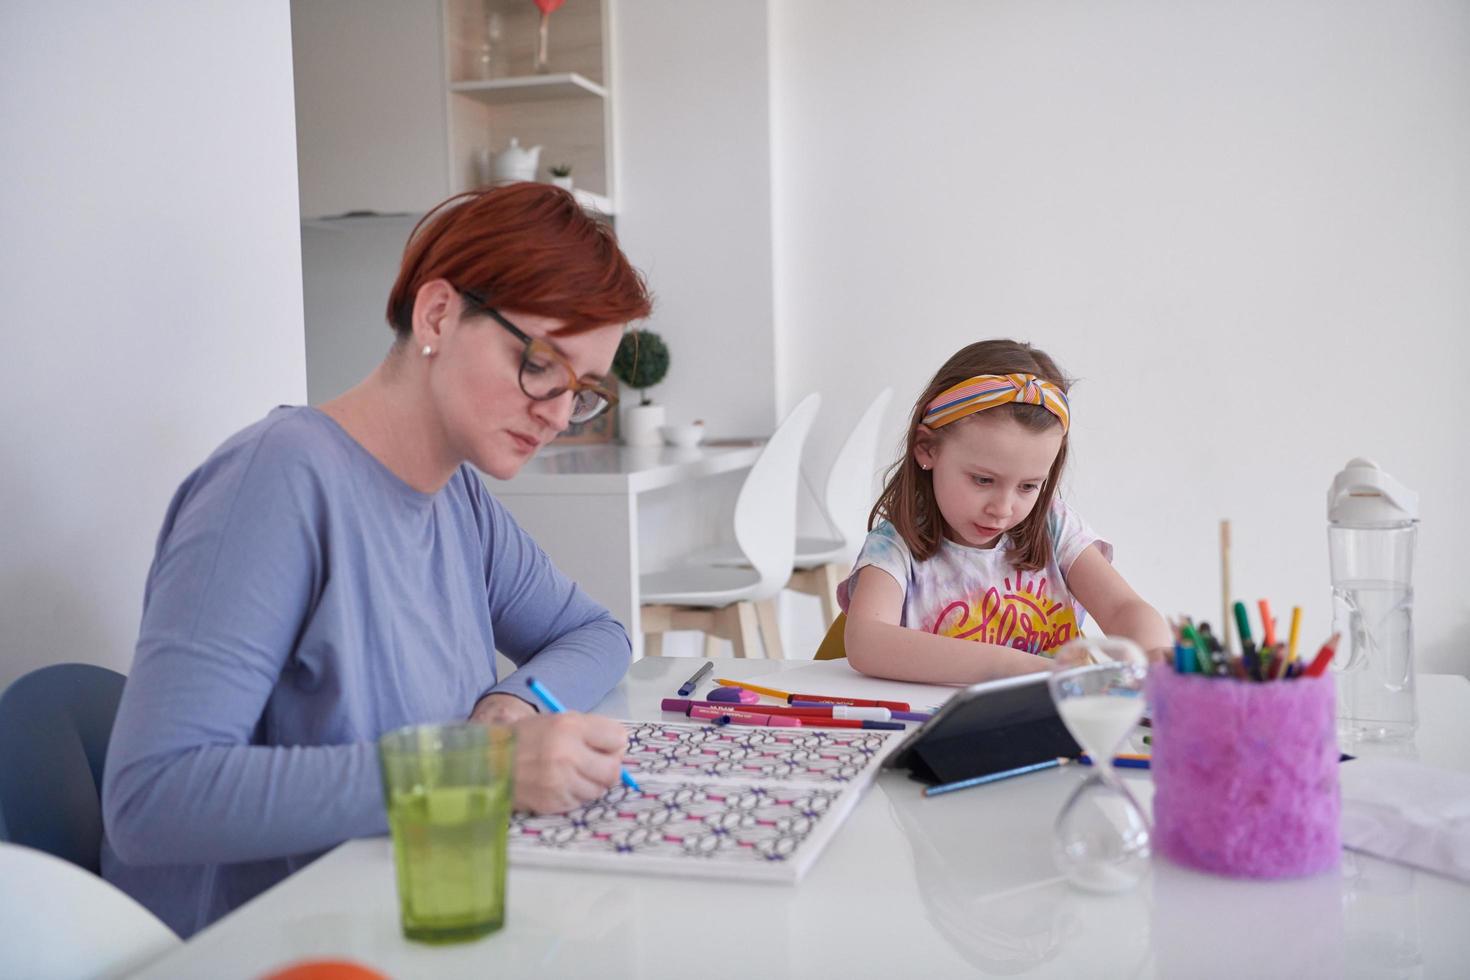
[
  {"x": 57, "y": 920},
  {"x": 820, "y": 563},
  {"x": 847, "y": 499},
  {"x": 728, "y": 602}
]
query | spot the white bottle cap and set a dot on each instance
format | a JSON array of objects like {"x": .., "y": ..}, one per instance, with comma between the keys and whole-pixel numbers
[{"x": 1363, "y": 494}]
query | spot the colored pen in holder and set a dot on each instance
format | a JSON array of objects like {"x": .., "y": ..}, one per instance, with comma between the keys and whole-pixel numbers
[{"x": 1245, "y": 774}]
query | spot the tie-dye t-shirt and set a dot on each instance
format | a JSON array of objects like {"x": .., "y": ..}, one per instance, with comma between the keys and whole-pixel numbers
[{"x": 977, "y": 594}]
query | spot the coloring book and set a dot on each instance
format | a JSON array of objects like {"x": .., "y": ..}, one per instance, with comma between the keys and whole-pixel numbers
[{"x": 728, "y": 801}]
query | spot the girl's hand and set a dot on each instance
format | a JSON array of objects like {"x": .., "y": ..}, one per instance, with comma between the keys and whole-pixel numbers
[
  {"x": 565, "y": 760},
  {"x": 1071, "y": 655}
]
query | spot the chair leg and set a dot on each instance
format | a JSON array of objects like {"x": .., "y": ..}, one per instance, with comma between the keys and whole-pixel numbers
[
  {"x": 739, "y": 623},
  {"x": 711, "y": 645},
  {"x": 770, "y": 625},
  {"x": 657, "y": 620},
  {"x": 821, "y": 582}
]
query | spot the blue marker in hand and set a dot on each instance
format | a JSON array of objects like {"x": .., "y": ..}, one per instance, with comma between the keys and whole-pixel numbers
[{"x": 555, "y": 707}]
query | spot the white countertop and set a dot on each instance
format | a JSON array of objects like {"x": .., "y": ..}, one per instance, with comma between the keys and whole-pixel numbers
[
  {"x": 955, "y": 885},
  {"x": 613, "y": 468}
]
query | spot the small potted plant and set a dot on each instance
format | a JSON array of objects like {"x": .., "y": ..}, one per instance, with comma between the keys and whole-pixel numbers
[
  {"x": 641, "y": 362},
  {"x": 561, "y": 176}
]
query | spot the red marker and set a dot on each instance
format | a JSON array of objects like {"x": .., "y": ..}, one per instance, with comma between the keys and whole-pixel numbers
[
  {"x": 860, "y": 702},
  {"x": 887, "y": 726},
  {"x": 1323, "y": 658},
  {"x": 745, "y": 717},
  {"x": 843, "y": 711}
]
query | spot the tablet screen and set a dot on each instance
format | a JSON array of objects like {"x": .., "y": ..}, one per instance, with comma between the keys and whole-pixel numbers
[{"x": 987, "y": 728}]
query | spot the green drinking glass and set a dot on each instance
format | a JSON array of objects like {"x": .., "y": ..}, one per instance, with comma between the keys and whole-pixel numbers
[{"x": 448, "y": 791}]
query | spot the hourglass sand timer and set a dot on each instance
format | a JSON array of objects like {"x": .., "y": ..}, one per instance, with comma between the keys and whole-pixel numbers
[{"x": 1101, "y": 840}]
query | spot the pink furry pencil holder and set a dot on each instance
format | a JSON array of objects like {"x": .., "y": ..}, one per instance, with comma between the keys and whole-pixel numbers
[{"x": 1245, "y": 774}]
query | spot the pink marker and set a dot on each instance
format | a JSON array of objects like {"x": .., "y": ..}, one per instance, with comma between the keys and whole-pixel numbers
[
  {"x": 734, "y": 695},
  {"x": 744, "y": 717}
]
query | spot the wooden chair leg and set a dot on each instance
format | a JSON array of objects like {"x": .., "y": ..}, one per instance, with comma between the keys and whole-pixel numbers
[
  {"x": 743, "y": 627},
  {"x": 766, "y": 614},
  {"x": 711, "y": 645},
  {"x": 656, "y": 622}
]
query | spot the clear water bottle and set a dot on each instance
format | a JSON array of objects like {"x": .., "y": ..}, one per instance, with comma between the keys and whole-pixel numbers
[{"x": 1372, "y": 524}]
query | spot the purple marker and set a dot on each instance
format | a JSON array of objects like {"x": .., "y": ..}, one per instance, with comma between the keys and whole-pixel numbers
[
  {"x": 912, "y": 715},
  {"x": 736, "y": 695}
]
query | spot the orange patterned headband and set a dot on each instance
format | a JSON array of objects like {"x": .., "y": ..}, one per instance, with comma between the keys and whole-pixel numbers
[{"x": 989, "y": 390}]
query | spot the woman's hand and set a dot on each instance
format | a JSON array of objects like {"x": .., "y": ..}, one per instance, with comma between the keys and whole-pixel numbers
[{"x": 565, "y": 760}]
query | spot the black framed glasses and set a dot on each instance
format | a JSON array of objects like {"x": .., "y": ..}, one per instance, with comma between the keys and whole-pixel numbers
[{"x": 545, "y": 371}]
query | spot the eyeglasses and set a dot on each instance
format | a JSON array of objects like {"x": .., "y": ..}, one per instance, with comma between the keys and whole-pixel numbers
[{"x": 545, "y": 371}]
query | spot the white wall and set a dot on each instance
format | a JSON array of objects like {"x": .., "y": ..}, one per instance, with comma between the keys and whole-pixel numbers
[
  {"x": 152, "y": 289},
  {"x": 1244, "y": 227},
  {"x": 693, "y": 167}
]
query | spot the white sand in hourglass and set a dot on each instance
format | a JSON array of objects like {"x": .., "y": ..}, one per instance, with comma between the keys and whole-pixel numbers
[{"x": 1099, "y": 722}]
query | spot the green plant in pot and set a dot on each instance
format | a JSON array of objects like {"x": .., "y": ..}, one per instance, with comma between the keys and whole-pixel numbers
[{"x": 641, "y": 362}]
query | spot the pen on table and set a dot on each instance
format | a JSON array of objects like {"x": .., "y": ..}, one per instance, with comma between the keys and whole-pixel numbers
[
  {"x": 760, "y": 716},
  {"x": 993, "y": 777},
  {"x": 855, "y": 702},
  {"x": 788, "y": 697},
  {"x": 895, "y": 715},
  {"x": 687, "y": 688},
  {"x": 804, "y": 710},
  {"x": 555, "y": 707},
  {"x": 731, "y": 716},
  {"x": 1123, "y": 761}
]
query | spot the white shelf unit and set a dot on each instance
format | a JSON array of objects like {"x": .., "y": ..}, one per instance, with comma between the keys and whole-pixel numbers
[
  {"x": 530, "y": 88},
  {"x": 567, "y": 112}
]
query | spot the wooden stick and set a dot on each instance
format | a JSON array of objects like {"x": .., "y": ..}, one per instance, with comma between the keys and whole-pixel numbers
[{"x": 1225, "y": 586}]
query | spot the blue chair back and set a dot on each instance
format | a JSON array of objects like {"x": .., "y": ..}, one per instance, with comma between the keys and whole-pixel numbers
[{"x": 54, "y": 726}]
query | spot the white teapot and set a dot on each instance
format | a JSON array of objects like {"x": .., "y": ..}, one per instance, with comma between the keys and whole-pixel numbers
[{"x": 516, "y": 162}]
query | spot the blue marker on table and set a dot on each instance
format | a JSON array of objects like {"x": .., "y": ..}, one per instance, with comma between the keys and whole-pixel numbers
[{"x": 555, "y": 707}]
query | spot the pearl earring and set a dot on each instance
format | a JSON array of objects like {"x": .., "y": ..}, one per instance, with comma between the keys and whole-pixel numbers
[{"x": 427, "y": 350}]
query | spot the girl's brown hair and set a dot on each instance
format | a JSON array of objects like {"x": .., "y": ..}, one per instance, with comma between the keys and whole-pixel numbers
[
  {"x": 907, "y": 501},
  {"x": 527, "y": 247}
]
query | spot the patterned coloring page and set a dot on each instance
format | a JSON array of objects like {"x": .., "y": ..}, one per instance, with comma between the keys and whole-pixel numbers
[{"x": 719, "y": 801}]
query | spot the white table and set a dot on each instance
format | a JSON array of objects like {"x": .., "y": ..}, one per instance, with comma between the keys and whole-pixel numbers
[
  {"x": 637, "y": 508},
  {"x": 956, "y": 885}
]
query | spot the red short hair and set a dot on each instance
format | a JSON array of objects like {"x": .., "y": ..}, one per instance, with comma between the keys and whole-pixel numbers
[{"x": 524, "y": 246}]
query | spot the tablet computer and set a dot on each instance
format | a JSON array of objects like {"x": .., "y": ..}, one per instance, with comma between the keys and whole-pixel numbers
[{"x": 985, "y": 728}]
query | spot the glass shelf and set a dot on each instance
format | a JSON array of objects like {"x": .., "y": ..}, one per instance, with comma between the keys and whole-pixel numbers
[{"x": 530, "y": 88}]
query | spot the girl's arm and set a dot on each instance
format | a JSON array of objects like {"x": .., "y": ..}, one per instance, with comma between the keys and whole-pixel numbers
[
  {"x": 879, "y": 646},
  {"x": 1111, "y": 601}
]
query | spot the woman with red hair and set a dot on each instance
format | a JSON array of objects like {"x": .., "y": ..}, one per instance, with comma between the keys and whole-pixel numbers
[{"x": 333, "y": 573}]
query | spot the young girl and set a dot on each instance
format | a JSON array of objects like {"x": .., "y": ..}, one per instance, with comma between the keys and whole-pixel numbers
[{"x": 973, "y": 568}]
